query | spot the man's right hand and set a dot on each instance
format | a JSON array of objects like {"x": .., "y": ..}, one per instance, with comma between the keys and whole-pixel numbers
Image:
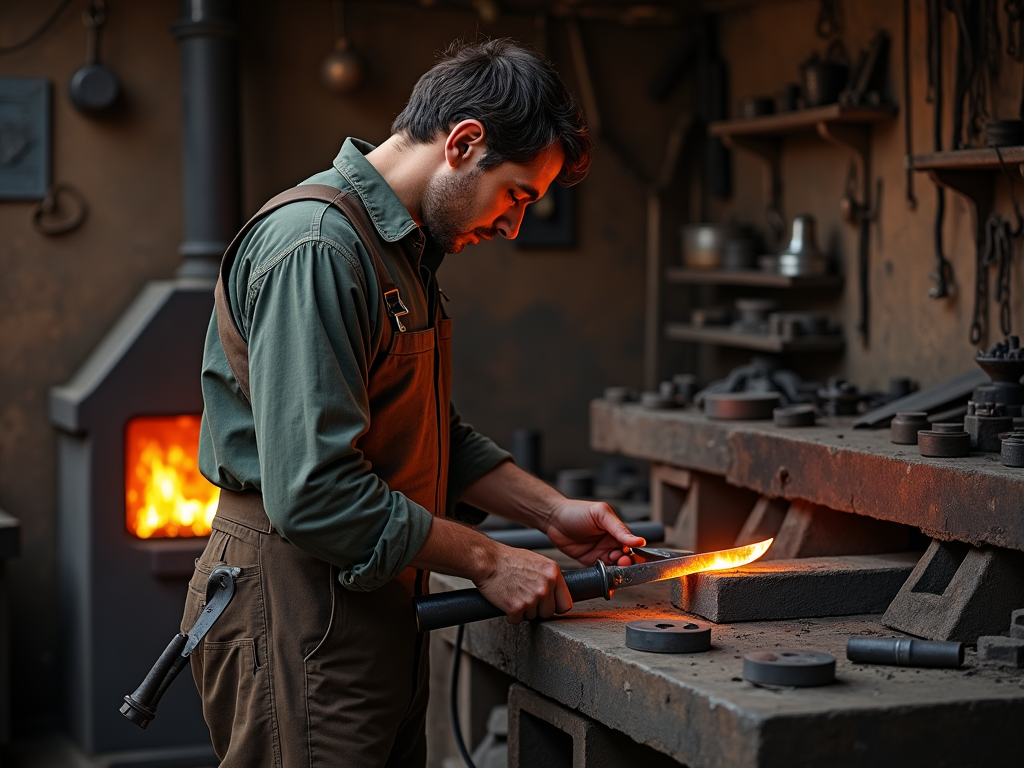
[{"x": 522, "y": 583}]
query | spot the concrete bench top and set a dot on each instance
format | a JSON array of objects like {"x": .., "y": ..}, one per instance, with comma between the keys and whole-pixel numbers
[
  {"x": 698, "y": 709},
  {"x": 973, "y": 499}
]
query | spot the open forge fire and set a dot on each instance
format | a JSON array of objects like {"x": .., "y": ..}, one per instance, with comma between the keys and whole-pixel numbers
[{"x": 165, "y": 494}]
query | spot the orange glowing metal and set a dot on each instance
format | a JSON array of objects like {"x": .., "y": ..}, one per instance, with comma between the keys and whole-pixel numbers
[
  {"x": 721, "y": 561},
  {"x": 165, "y": 494}
]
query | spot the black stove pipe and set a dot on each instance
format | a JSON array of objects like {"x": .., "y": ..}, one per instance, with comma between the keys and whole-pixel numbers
[{"x": 207, "y": 32}]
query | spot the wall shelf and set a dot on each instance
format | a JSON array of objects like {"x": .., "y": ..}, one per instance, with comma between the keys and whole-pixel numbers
[
  {"x": 726, "y": 337},
  {"x": 749, "y": 277},
  {"x": 800, "y": 120},
  {"x": 969, "y": 172}
]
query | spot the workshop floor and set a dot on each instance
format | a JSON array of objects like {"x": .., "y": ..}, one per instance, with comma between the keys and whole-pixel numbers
[{"x": 48, "y": 750}]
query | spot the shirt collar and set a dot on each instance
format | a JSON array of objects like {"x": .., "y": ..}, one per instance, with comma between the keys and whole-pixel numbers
[{"x": 387, "y": 213}]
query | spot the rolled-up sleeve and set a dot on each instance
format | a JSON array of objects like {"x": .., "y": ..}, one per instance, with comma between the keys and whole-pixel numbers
[{"x": 311, "y": 324}]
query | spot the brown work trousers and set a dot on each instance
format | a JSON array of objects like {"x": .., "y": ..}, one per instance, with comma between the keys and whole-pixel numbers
[{"x": 299, "y": 671}]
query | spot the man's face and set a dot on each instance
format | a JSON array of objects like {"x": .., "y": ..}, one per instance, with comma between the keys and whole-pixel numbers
[{"x": 465, "y": 205}]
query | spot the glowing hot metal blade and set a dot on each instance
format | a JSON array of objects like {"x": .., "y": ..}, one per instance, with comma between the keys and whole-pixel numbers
[{"x": 658, "y": 570}]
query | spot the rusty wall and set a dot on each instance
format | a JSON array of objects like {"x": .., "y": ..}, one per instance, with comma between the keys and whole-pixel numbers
[
  {"x": 538, "y": 332},
  {"x": 911, "y": 334}
]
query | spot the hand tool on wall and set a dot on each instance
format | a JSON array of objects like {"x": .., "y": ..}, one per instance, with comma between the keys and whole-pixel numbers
[
  {"x": 908, "y": 143},
  {"x": 446, "y": 609},
  {"x": 942, "y": 274},
  {"x": 140, "y": 706},
  {"x": 94, "y": 87}
]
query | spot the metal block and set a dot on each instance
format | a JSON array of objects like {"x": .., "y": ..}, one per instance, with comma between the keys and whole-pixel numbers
[
  {"x": 1017, "y": 624},
  {"x": 1008, "y": 651},
  {"x": 811, "y": 530},
  {"x": 544, "y": 734},
  {"x": 959, "y": 592},
  {"x": 24, "y": 138},
  {"x": 803, "y": 588}
]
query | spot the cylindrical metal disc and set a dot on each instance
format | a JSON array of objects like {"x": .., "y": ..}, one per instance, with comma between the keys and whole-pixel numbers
[
  {"x": 789, "y": 667},
  {"x": 741, "y": 405},
  {"x": 794, "y": 416},
  {"x": 668, "y": 635},
  {"x": 943, "y": 445}
]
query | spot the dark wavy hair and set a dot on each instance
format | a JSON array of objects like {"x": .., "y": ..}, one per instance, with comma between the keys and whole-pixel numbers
[{"x": 517, "y": 96}]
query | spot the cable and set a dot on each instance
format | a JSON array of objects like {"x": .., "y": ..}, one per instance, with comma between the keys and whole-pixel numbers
[
  {"x": 454, "y": 703},
  {"x": 39, "y": 32}
]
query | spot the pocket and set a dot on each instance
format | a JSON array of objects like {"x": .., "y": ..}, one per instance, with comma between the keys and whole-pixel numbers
[{"x": 235, "y": 688}]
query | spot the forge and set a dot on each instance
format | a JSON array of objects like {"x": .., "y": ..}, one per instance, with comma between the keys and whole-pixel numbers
[{"x": 134, "y": 511}]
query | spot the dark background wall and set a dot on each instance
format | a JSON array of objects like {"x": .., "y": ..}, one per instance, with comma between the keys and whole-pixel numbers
[{"x": 538, "y": 332}]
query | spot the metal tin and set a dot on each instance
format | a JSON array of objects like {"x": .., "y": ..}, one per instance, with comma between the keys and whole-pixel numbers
[
  {"x": 794, "y": 416},
  {"x": 793, "y": 667},
  {"x": 905, "y": 426},
  {"x": 619, "y": 394},
  {"x": 943, "y": 445},
  {"x": 741, "y": 405},
  {"x": 668, "y": 636}
]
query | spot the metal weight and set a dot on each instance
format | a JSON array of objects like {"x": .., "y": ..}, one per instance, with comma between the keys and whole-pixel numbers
[
  {"x": 943, "y": 444},
  {"x": 790, "y": 667},
  {"x": 905, "y": 426},
  {"x": 668, "y": 636},
  {"x": 741, "y": 405},
  {"x": 801, "y": 415}
]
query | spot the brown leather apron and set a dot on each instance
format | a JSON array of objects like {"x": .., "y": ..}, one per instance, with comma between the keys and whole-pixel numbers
[{"x": 299, "y": 670}]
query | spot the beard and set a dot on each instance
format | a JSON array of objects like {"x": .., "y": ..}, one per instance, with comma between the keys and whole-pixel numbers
[{"x": 448, "y": 209}]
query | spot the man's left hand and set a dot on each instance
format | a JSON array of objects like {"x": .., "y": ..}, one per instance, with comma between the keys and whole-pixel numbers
[{"x": 589, "y": 531}]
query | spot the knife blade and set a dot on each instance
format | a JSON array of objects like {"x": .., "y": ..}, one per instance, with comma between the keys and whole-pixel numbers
[{"x": 447, "y": 609}]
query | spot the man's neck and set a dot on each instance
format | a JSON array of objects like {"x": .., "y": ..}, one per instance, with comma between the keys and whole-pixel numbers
[{"x": 407, "y": 167}]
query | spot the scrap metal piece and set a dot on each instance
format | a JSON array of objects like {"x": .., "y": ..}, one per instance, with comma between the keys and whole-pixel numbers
[
  {"x": 905, "y": 652},
  {"x": 794, "y": 416},
  {"x": 931, "y": 399},
  {"x": 942, "y": 444},
  {"x": 791, "y": 667},
  {"x": 905, "y": 426},
  {"x": 741, "y": 405},
  {"x": 668, "y": 636}
]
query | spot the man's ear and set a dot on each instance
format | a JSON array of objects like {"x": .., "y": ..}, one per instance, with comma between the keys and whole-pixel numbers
[{"x": 465, "y": 143}]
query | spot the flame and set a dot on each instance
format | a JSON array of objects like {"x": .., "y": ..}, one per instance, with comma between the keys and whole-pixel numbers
[
  {"x": 165, "y": 494},
  {"x": 723, "y": 559}
]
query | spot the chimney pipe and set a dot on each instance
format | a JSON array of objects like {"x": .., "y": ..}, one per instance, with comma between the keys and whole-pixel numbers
[{"x": 207, "y": 32}]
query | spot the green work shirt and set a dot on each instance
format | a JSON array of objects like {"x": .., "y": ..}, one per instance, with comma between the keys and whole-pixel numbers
[{"x": 304, "y": 293}]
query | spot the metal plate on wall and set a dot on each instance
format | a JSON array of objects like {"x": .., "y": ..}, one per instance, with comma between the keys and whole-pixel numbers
[{"x": 24, "y": 138}]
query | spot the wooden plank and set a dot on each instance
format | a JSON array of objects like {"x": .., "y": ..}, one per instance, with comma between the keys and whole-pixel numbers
[
  {"x": 799, "y": 121},
  {"x": 749, "y": 277},
  {"x": 965, "y": 159},
  {"x": 761, "y": 342}
]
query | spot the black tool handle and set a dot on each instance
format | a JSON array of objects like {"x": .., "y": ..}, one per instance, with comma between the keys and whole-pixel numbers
[
  {"x": 140, "y": 707},
  {"x": 463, "y": 606}
]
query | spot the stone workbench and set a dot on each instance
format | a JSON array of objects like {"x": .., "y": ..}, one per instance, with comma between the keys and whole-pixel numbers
[
  {"x": 698, "y": 709},
  {"x": 973, "y": 499}
]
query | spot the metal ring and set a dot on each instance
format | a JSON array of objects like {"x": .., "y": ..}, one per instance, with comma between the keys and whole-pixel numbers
[{"x": 49, "y": 217}]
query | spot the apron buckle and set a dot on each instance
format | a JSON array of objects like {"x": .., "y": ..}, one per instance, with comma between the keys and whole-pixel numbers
[{"x": 396, "y": 308}]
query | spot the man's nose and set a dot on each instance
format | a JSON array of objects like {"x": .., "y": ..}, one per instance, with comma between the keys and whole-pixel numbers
[{"x": 509, "y": 223}]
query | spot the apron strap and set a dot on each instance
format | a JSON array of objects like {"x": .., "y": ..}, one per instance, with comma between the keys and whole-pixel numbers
[{"x": 235, "y": 347}]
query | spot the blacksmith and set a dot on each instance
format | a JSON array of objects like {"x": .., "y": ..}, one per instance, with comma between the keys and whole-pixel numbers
[{"x": 329, "y": 429}]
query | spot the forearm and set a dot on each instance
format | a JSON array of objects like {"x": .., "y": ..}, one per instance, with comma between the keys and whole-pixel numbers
[
  {"x": 514, "y": 494},
  {"x": 457, "y": 550}
]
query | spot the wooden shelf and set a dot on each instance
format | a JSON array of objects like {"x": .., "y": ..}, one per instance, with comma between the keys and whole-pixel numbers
[
  {"x": 800, "y": 121},
  {"x": 749, "y": 277},
  {"x": 969, "y": 172},
  {"x": 966, "y": 160},
  {"x": 760, "y": 342}
]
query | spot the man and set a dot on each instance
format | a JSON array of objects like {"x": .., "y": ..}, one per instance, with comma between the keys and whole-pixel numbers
[{"x": 328, "y": 425}]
